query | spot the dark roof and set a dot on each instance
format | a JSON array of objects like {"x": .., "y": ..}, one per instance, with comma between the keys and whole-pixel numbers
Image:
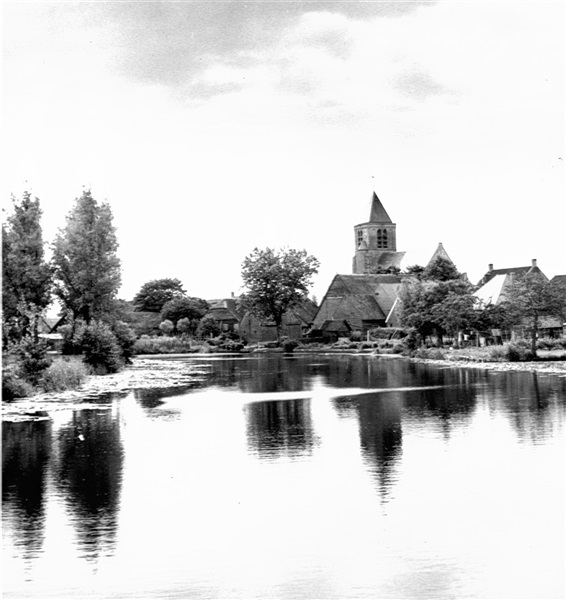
[
  {"x": 378, "y": 214},
  {"x": 514, "y": 270},
  {"x": 225, "y": 310},
  {"x": 559, "y": 279},
  {"x": 337, "y": 326}
]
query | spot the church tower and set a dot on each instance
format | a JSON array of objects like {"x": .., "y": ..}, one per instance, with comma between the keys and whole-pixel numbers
[{"x": 376, "y": 243}]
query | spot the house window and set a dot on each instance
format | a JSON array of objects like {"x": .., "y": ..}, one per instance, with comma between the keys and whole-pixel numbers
[
  {"x": 382, "y": 238},
  {"x": 360, "y": 234}
]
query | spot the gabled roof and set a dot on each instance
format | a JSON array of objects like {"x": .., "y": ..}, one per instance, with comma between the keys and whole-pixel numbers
[
  {"x": 378, "y": 214},
  {"x": 520, "y": 271},
  {"x": 559, "y": 279},
  {"x": 491, "y": 292},
  {"x": 225, "y": 310}
]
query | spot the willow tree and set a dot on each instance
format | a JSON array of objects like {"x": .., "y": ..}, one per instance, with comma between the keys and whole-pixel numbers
[
  {"x": 87, "y": 267},
  {"x": 276, "y": 281}
]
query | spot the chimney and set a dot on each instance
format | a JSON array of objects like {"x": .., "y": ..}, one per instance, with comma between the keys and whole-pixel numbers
[
  {"x": 490, "y": 267},
  {"x": 534, "y": 262},
  {"x": 231, "y": 294}
]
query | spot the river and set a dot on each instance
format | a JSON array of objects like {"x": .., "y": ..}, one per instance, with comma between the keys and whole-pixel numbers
[{"x": 293, "y": 477}]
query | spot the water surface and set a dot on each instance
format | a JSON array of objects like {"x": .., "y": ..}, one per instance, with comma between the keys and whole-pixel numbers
[{"x": 300, "y": 477}]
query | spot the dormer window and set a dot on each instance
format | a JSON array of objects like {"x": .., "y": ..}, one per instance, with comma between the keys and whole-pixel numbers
[{"x": 382, "y": 238}]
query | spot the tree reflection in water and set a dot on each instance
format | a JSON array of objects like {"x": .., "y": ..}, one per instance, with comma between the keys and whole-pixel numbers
[
  {"x": 534, "y": 404},
  {"x": 26, "y": 449},
  {"x": 280, "y": 428},
  {"x": 90, "y": 476}
]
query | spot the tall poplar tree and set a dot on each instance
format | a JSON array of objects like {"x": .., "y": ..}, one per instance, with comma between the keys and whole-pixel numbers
[
  {"x": 87, "y": 268},
  {"x": 26, "y": 276}
]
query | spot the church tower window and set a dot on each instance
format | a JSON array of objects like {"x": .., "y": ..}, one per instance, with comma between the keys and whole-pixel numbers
[
  {"x": 382, "y": 238},
  {"x": 360, "y": 237}
]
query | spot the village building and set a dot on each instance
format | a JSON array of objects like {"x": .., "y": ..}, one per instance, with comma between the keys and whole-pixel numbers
[
  {"x": 231, "y": 319},
  {"x": 494, "y": 286},
  {"x": 367, "y": 298}
]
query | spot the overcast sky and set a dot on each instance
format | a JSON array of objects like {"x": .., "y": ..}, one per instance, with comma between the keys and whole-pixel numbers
[{"x": 213, "y": 128}]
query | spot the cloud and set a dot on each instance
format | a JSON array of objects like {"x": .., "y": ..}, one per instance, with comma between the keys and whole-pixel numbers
[
  {"x": 419, "y": 85},
  {"x": 169, "y": 42}
]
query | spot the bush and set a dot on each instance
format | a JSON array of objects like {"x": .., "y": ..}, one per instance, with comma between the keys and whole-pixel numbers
[
  {"x": 13, "y": 386},
  {"x": 126, "y": 339},
  {"x": 100, "y": 348},
  {"x": 31, "y": 356},
  {"x": 288, "y": 345},
  {"x": 512, "y": 352},
  {"x": 162, "y": 345},
  {"x": 430, "y": 353},
  {"x": 166, "y": 327},
  {"x": 64, "y": 374},
  {"x": 207, "y": 328}
]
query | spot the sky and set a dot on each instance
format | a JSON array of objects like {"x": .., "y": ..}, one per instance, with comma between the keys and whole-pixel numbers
[{"x": 213, "y": 128}]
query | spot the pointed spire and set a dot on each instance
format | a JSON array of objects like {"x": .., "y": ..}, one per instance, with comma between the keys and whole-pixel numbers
[
  {"x": 440, "y": 252},
  {"x": 378, "y": 214}
]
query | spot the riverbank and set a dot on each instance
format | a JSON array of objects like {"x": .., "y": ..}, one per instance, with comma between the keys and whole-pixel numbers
[{"x": 162, "y": 372}]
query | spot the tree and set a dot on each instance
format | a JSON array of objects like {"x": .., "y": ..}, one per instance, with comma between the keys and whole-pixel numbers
[
  {"x": 87, "y": 267},
  {"x": 531, "y": 297},
  {"x": 455, "y": 313},
  {"x": 154, "y": 294},
  {"x": 207, "y": 327},
  {"x": 26, "y": 277},
  {"x": 166, "y": 327},
  {"x": 415, "y": 270},
  {"x": 429, "y": 306},
  {"x": 179, "y": 308},
  {"x": 440, "y": 269},
  {"x": 276, "y": 282}
]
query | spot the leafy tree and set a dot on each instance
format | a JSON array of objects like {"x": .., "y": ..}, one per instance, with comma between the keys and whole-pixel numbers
[
  {"x": 179, "y": 308},
  {"x": 429, "y": 306},
  {"x": 100, "y": 347},
  {"x": 184, "y": 325},
  {"x": 415, "y": 270},
  {"x": 207, "y": 327},
  {"x": 26, "y": 277},
  {"x": 154, "y": 294},
  {"x": 440, "y": 269},
  {"x": 531, "y": 297},
  {"x": 276, "y": 282},
  {"x": 167, "y": 327},
  {"x": 87, "y": 267},
  {"x": 455, "y": 312}
]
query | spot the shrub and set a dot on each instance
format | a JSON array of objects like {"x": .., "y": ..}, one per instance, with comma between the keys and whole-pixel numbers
[
  {"x": 100, "y": 348},
  {"x": 162, "y": 345},
  {"x": 64, "y": 374},
  {"x": 288, "y": 345},
  {"x": 207, "y": 328},
  {"x": 126, "y": 339},
  {"x": 167, "y": 327},
  {"x": 511, "y": 352},
  {"x": 13, "y": 386},
  {"x": 31, "y": 358}
]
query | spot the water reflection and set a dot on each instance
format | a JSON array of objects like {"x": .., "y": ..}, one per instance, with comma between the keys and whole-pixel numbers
[
  {"x": 26, "y": 450},
  {"x": 533, "y": 404},
  {"x": 280, "y": 428},
  {"x": 153, "y": 401},
  {"x": 90, "y": 477}
]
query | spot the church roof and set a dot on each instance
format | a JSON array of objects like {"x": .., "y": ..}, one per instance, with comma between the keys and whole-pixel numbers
[
  {"x": 378, "y": 214},
  {"x": 440, "y": 252}
]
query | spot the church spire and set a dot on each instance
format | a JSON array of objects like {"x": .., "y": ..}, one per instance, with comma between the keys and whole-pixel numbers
[{"x": 378, "y": 214}]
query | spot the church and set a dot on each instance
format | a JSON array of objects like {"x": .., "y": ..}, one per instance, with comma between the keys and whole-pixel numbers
[{"x": 367, "y": 298}]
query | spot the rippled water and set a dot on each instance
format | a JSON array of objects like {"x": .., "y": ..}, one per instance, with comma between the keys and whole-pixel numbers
[{"x": 301, "y": 477}]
